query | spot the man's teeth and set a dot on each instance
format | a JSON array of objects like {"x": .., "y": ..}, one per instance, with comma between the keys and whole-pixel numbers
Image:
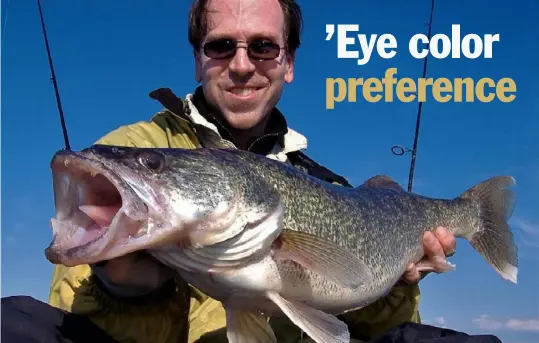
[{"x": 243, "y": 91}]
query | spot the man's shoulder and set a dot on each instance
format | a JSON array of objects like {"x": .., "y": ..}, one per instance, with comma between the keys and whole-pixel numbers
[
  {"x": 166, "y": 128},
  {"x": 160, "y": 131}
]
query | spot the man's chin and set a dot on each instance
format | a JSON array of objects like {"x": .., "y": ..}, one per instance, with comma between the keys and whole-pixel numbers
[{"x": 244, "y": 120}]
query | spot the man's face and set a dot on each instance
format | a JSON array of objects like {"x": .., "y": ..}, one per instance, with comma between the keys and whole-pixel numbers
[{"x": 242, "y": 88}]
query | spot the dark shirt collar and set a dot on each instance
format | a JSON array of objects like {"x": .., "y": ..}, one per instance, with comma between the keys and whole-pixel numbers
[{"x": 275, "y": 130}]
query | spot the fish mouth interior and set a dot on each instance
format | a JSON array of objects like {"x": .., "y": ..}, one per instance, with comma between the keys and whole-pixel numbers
[{"x": 88, "y": 199}]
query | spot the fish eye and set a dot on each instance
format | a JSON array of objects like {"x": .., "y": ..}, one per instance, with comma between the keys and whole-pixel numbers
[{"x": 152, "y": 160}]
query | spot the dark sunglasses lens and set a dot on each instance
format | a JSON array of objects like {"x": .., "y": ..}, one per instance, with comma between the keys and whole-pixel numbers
[
  {"x": 264, "y": 50},
  {"x": 222, "y": 48}
]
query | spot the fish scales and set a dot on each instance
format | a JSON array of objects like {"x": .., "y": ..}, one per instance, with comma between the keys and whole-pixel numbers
[
  {"x": 261, "y": 236},
  {"x": 354, "y": 218}
]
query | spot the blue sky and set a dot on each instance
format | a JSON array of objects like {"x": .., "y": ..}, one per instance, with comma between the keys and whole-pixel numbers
[{"x": 109, "y": 55}]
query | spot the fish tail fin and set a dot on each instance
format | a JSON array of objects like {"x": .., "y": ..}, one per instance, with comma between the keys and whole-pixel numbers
[{"x": 493, "y": 237}]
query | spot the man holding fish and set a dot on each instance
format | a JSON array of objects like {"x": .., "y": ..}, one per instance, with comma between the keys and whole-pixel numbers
[{"x": 244, "y": 55}]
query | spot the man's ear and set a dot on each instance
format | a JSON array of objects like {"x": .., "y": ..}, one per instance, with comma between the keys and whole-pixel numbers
[
  {"x": 198, "y": 66},
  {"x": 290, "y": 59}
]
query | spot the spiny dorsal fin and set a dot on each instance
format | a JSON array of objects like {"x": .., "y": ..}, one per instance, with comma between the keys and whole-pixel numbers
[{"x": 382, "y": 181}]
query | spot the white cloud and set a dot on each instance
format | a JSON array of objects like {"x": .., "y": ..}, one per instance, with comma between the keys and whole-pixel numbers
[
  {"x": 486, "y": 322},
  {"x": 438, "y": 321},
  {"x": 528, "y": 231},
  {"x": 523, "y": 325}
]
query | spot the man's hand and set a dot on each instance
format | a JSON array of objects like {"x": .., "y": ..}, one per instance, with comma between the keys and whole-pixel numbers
[
  {"x": 437, "y": 246},
  {"x": 137, "y": 269}
]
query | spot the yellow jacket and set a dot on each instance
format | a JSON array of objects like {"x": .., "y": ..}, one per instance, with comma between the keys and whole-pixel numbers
[{"x": 181, "y": 313}]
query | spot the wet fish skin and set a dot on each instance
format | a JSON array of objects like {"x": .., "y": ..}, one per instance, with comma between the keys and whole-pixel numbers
[{"x": 318, "y": 248}]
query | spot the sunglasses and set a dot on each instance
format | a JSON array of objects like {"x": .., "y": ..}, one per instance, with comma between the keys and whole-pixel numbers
[{"x": 261, "y": 49}]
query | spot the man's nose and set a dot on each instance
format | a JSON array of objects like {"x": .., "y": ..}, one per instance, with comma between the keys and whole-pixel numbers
[{"x": 241, "y": 64}]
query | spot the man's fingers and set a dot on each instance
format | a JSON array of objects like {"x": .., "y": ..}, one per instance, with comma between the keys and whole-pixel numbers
[
  {"x": 411, "y": 275},
  {"x": 437, "y": 246},
  {"x": 447, "y": 240},
  {"x": 432, "y": 246}
]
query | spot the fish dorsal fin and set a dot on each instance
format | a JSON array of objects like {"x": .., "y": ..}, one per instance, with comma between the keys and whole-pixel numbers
[{"x": 382, "y": 181}]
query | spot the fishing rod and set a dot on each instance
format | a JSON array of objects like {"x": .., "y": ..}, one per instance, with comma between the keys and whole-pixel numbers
[
  {"x": 399, "y": 150},
  {"x": 53, "y": 78}
]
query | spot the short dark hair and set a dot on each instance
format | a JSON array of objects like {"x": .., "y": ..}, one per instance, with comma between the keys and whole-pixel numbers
[{"x": 198, "y": 23}]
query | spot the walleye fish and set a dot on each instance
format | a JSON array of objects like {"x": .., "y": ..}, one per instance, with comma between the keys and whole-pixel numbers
[{"x": 261, "y": 236}]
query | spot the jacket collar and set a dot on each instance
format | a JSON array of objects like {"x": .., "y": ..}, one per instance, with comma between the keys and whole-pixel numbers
[{"x": 277, "y": 141}]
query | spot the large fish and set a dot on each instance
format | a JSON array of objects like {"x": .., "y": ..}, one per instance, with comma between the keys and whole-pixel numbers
[{"x": 261, "y": 236}]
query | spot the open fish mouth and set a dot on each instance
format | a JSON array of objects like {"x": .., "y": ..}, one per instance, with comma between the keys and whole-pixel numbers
[{"x": 94, "y": 207}]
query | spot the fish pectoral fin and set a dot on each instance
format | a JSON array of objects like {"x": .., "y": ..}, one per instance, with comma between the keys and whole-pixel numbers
[
  {"x": 323, "y": 257},
  {"x": 382, "y": 181},
  {"x": 248, "y": 327},
  {"x": 322, "y": 327}
]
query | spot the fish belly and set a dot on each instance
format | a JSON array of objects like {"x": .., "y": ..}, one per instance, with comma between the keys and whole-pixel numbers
[{"x": 247, "y": 287}]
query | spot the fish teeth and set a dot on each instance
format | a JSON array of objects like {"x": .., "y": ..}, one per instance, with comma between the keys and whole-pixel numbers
[{"x": 77, "y": 237}]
